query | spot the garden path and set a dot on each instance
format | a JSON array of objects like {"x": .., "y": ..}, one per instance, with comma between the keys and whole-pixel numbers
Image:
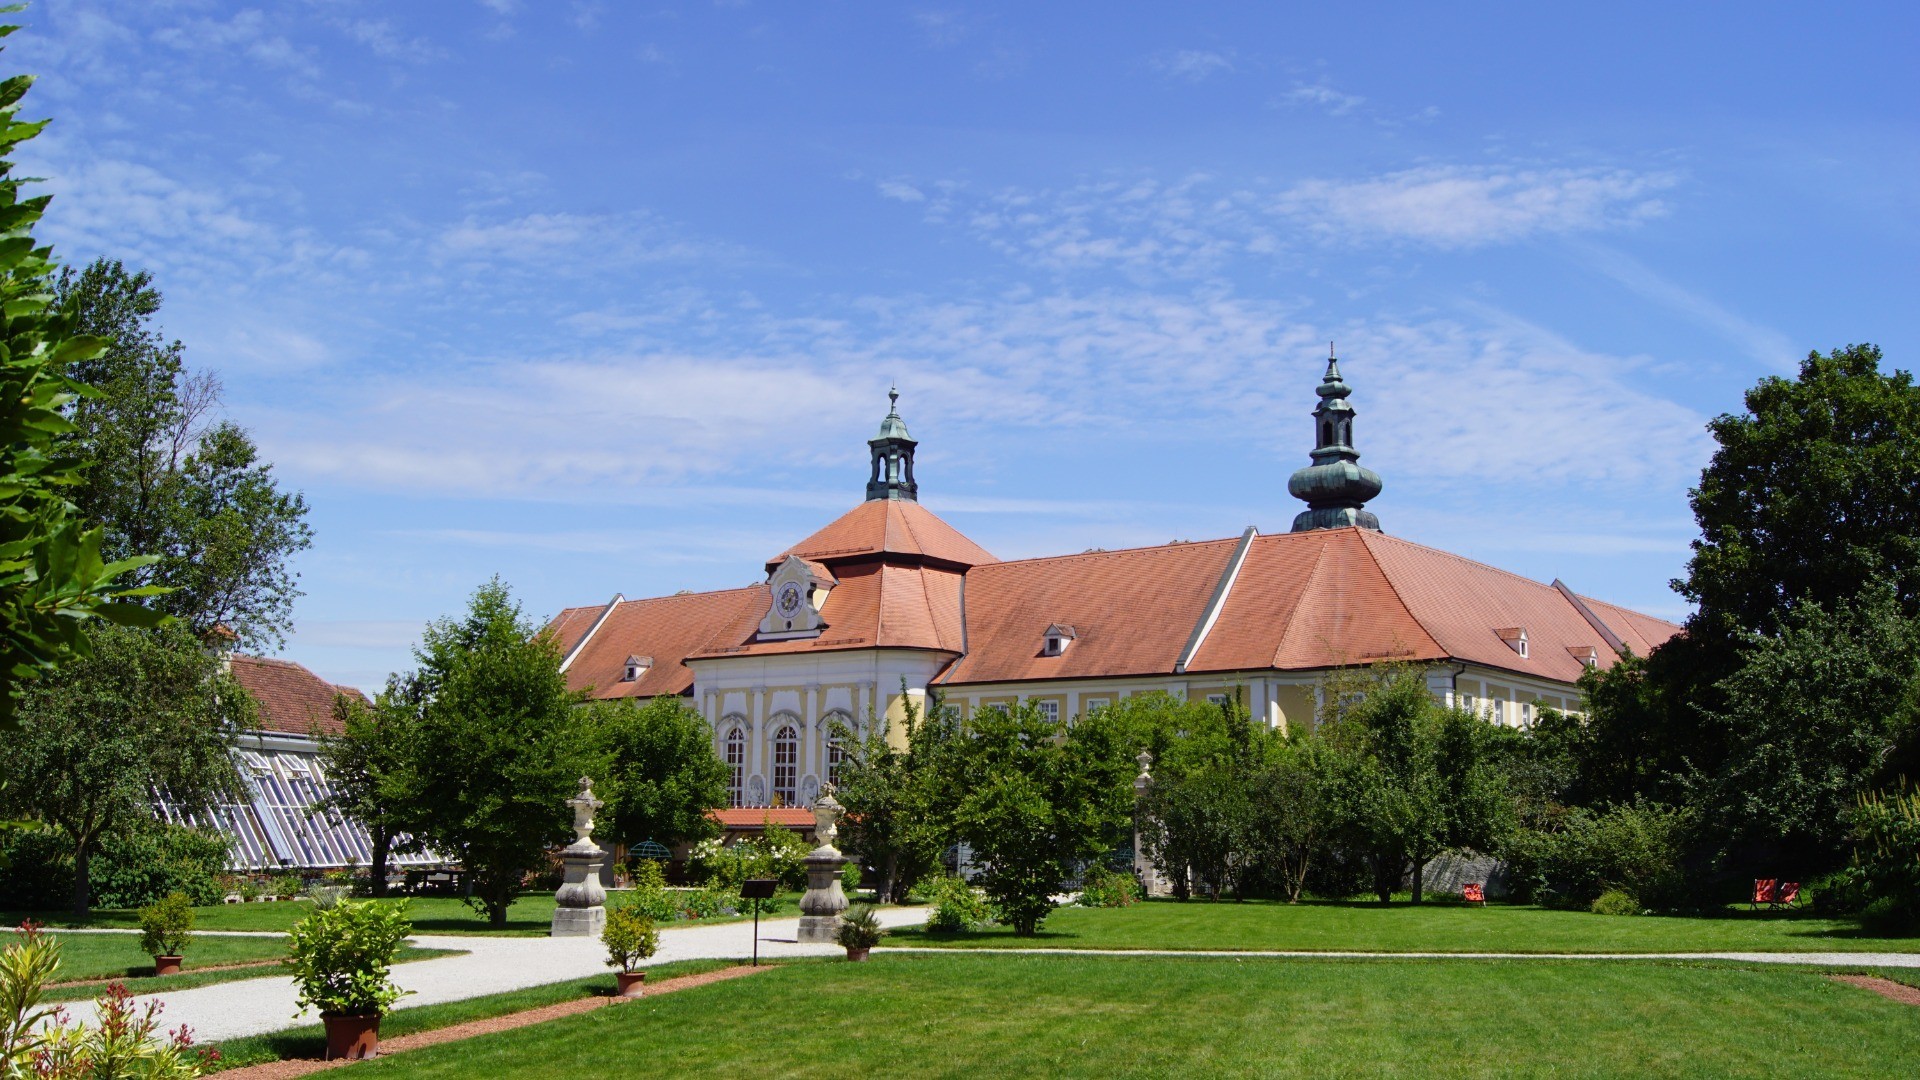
[{"x": 488, "y": 965}]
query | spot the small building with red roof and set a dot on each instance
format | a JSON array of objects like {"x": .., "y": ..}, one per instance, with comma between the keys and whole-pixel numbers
[{"x": 889, "y": 603}]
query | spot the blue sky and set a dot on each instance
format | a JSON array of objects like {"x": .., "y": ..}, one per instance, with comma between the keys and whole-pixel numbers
[{"x": 606, "y": 297}]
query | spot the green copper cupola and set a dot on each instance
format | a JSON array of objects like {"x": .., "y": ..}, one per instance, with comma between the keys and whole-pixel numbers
[
  {"x": 1335, "y": 487},
  {"x": 892, "y": 476}
]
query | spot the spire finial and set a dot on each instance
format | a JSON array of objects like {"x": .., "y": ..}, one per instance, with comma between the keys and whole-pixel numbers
[
  {"x": 893, "y": 400},
  {"x": 892, "y": 476},
  {"x": 1335, "y": 487}
]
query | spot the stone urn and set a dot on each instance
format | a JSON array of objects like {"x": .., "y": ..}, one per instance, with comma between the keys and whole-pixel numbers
[
  {"x": 824, "y": 900},
  {"x": 580, "y": 903}
]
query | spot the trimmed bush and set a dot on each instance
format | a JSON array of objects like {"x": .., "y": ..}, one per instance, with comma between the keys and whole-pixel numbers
[
  {"x": 131, "y": 869},
  {"x": 341, "y": 957},
  {"x": 956, "y": 905},
  {"x": 629, "y": 937},
  {"x": 1636, "y": 849},
  {"x": 1616, "y": 902},
  {"x": 166, "y": 926}
]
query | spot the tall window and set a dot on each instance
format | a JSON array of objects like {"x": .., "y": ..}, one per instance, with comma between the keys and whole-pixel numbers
[
  {"x": 786, "y": 765},
  {"x": 832, "y": 723},
  {"x": 736, "y": 755}
]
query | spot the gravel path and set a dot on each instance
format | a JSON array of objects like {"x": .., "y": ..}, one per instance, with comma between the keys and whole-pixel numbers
[{"x": 490, "y": 965}]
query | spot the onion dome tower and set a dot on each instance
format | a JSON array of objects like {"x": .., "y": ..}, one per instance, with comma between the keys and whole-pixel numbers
[
  {"x": 1335, "y": 487},
  {"x": 892, "y": 476}
]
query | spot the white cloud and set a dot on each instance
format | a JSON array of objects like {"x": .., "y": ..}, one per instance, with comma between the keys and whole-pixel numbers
[
  {"x": 1193, "y": 65},
  {"x": 902, "y": 191},
  {"x": 632, "y": 237},
  {"x": 379, "y": 36},
  {"x": 246, "y": 34},
  {"x": 1762, "y": 343},
  {"x": 942, "y": 28},
  {"x": 1324, "y": 97},
  {"x": 1457, "y": 206}
]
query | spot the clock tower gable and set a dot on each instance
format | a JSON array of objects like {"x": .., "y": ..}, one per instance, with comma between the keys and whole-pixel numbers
[{"x": 798, "y": 591}]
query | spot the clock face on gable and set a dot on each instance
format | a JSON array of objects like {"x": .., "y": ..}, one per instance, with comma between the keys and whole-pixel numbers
[{"x": 787, "y": 603}]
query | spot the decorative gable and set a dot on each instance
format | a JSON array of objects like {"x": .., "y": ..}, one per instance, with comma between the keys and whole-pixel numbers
[{"x": 798, "y": 591}]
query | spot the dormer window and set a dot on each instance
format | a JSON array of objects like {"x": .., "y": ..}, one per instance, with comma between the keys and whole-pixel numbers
[
  {"x": 636, "y": 667},
  {"x": 1586, "y": 654},
  {"x": 1057, "y": 638},
  {"x": 1515, "y": 637}
]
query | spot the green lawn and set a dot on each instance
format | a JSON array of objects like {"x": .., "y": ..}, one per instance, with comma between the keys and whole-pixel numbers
[
  {"x": 310, "y": 1040},
  {"x": 118, "y": 956},
  {"x": 530, "y": 916},
  {"x": 965, "y": 1015},
  {"x": 1432, "y": 927}
]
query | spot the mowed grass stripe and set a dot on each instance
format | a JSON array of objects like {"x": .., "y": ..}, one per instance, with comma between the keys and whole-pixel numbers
[
  {"x": 1441, "y": 927},
  {"x": 970, "y": 1015}
]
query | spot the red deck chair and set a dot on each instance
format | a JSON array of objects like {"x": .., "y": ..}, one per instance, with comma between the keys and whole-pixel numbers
[
  {"x": 1764, "y": 891},
  {"x": 1788, "y": 893},
  {"x": 1474, "y": 893}
]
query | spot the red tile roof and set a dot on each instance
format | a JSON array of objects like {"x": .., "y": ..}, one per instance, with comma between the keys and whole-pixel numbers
[
  {"x": 666, "y": 629},
  {"x": 906, "y": 530},
  {"x": 293, "y": 700},
  {"x": 1132, "y": 612},
  {"x": 753, "y": 817},
  {"x": 874, "y": 605}
]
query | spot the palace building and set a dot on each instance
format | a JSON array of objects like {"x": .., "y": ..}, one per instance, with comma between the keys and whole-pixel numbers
[{"x": 888, "y": 596}]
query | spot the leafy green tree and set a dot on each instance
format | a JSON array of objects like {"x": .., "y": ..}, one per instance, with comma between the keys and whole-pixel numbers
[
  {"x": 1289, "y": 815},
  {"x": 497, "y": 747},
  {"x": 1030, "y": 806},
  {"x": 52, "y": 574},
  {"x": 367, "y": 768},
  {"x": 896, "y": 820},
  {"x": 661, "y": 774},
  {"x": 1197, "y": 829},
  {"x": 147, "y": 711},
  {"x": 1809, "y": 495},
  {"x": 1409, "y": 777},
  {"x": 1817, "y": 714},
  {"x": 163, "y": 476}
]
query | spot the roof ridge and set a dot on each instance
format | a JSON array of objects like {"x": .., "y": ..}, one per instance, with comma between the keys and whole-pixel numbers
[
  {"x": 1113, "y": 551},
  {"x": 1630, "y": 611},
  {"x": 1394, "y": 588},
  {"x": 1280, "y": 644},
  {"x": 1367, "y": 536}
]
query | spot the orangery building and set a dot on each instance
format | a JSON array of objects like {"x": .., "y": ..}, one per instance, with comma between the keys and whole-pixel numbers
[{"x": 889, "y": 595}]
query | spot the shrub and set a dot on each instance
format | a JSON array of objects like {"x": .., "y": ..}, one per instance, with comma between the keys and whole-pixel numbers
[
  {"x": 166, "y": 926},
  {"x": 1635, "y": 849},
  {"x": 629, "y": 937},
  {"x": 36, "y": 1041},
  {"x": 140, "y": 866},
  {"x": 860, "y": 928},
  {"x": 711, "y": 902},
  {"x": 341, "y": 957},
  {"x": 324, "y": 896},
  {"x": 850, "y": 877},
  {"x": 956, "y": 905},
  {"x": 1103, "y": 886},
  {"x": 1841, "y": 893},
  {"x": 1886, "y": 833},
  {"x": 39, "y": 869},
  {"x": 777, "y": 853},
  {"x": 285, "y": 886},
  {"x": 1616, "y": 902},
  {"x": 649, "y": 895}
]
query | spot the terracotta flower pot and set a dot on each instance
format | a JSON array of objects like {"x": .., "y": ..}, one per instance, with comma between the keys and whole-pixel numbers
[
  {"x": 630, "y": 984},
  {"x": 351, "y": 1037},
  {"x": 857, "y": 955},
  {"x": 166, "y": 965}
]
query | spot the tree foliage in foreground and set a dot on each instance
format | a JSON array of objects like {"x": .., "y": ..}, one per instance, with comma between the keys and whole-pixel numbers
[
  {"x": 496, "y": 750},
  {"x": 164, "y": 476},
  {"x": 659, "y": 773},
  {"x": 894, "y": 819},
  {"x": 146, "y": 711},
  {"x": 53, "y": 576},
  {"x": 367, "y": 769}
]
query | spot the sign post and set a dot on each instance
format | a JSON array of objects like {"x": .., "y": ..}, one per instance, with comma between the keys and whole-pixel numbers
[{"x": 756, "y": 890}]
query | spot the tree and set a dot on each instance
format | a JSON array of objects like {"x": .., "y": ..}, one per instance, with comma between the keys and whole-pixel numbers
[
  {"x": 1029, "y": 805},
  {"x": 1816, "y": 715},
  {"x": 366, "y": 765},
  {"x": 896, "y": 820},
  {"x": 497, "y": 745},
  {"x": 1809, "y": 495},
  {"x": 146, "y": 711},
  {"x": 660, "y": 772},
  {"x": 1410, "y": 778},
  {"x": 53, "y": 577},
  {"x": 164, "y": 477},
  {"x": 1288, "y": 816}
]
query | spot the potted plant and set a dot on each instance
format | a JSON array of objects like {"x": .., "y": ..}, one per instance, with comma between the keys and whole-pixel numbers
[
  {"x": 630, "y": 938},
  {"x": 860, "y": 930},
  {"x": 166, "y": 927},
  {"x": 340, "y": 958}
]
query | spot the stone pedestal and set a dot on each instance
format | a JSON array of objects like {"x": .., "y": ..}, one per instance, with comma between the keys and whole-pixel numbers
[
  {"x": 824, "y": 901},
  {"x": 580, "y": 904}
]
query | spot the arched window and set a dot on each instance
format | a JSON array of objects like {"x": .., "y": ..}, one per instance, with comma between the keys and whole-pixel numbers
[
  {"x": 835, "y": 723},
  {"x": 735, "y": 746},
  {"x": 1326, "y": 433},
  {"x": 786, "y": 765}
]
